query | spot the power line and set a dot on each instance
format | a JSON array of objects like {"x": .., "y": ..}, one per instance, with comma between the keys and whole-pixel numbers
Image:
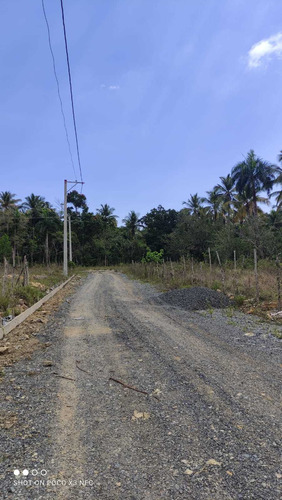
[
  {"x": 71, "y": 91},
  {"x": 58, "y": 86}
]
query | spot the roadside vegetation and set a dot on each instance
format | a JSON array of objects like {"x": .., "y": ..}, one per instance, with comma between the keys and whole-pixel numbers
[
  {"x": 226, "y": 240},
  {"x": 251, "y": 293}
]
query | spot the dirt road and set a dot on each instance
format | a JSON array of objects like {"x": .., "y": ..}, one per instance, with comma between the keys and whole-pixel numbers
[{"x": 207, "y": 429}]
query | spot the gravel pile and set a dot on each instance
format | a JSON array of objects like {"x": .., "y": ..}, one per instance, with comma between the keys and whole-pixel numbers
[{"x": 195, "y": 298}]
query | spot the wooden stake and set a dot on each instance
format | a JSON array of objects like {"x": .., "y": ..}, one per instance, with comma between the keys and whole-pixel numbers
[
  {"x": 26, "y": 272},
  {"x": 221, "y": 271},
  {"x": 4, "y": 276},
  {"x": 256, "y": 274},
  {"x": 201, "y": 273},
  {"x": 184, "y": 268},
  {"x": 279, "y": 304},
  {"x": 210, "y": 262},
  {"x": 235, "y": 273},
  {"x": 172, "y": 270}
]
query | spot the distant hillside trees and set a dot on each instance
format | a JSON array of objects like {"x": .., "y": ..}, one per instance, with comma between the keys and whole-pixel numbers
[{"x": 229, "y": 217}]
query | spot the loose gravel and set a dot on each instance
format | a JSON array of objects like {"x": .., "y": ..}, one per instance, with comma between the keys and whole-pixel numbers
[
  {"x": 208, "y": 428},
  {"x": 195, "y": 298}
]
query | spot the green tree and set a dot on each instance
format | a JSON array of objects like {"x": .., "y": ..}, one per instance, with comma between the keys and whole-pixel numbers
[
  {"x": 77, "y": 200},
  {"x": 244, "y": 205},
  {"x": 33, "y": 207},
  {"x": 132, "y": 223},
  {"x": 226, "y": 192},
  {"x": 194, "y": 204},
  {"x": 8, "y": 200},
  {"x": 158, "y": 225},
  {"x": 107, "y": 215},
  {"x": 8, "y": 204},
  {"x": 254, "y": 174},
  {"x": 5, "y": 247},
  {"x": 278, "y": 180},
  {"x": 192, "y": 236},
  {"x": 213, "y": 201},
  {"x": 47, "y": 225}
]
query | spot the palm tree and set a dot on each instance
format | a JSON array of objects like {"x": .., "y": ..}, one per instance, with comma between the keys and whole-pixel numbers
[
  {"x": 109, "y": 222},
  {"x": 8, "y": 205},
  {"x": 244, "y": 205},
  {"x": 226, "y": 192},
  {"x": 255, "y": 174},
  {"x": 7, "y": 200},
  {"x": 274, "y": 219},
  {"x": 106, "y": 214},
  {"x": 34, "y": 202},
  {"x": 132, "y": 223},
  {"x": 48, "y": 223},
  {"x": 213, "y": 201},
  {"x": 278, "y": 180},
  {"x": 33, "y": 207},
  {"x": 194, "y": 204}
]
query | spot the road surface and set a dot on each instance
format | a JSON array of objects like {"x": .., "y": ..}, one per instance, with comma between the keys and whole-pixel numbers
[{"x": 207, "y": 427}]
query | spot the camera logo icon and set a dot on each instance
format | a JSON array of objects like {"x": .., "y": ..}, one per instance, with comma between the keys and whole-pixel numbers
[{"x": 33, "y": 472}]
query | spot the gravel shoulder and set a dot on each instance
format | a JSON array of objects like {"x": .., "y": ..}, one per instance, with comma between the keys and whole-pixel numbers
[{"x": 208, "y": 427}]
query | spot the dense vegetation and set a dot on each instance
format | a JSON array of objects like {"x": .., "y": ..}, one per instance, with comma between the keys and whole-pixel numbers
[{"x": 229, "y": 218}]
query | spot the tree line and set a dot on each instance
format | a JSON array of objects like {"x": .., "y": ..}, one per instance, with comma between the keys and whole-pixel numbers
[{"x": 230, "y": 217}]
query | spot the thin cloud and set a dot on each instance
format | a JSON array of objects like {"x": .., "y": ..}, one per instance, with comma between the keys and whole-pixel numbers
[
  {"x": 264, "y": 50},
  {"x": 109, "y": 87}
]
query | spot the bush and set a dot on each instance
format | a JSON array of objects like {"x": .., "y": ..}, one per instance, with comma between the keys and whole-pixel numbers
[
  {"x": 216, "y": 285},
  {"x": 4, "y": 302},
  {"x": 28, "y": 293},
  {"x": 239, "y": 300},
  {"x": 156, "y": 257}
]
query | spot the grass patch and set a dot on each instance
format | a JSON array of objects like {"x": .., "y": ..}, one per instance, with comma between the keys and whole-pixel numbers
[{"x": 239, "y": 284}]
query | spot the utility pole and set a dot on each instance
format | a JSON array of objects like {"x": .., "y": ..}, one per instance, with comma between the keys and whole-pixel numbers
[
  {"x": 65, "y": 268},
  {"x": 70, "y": 243},
  {"x": 65, "y": 229}
]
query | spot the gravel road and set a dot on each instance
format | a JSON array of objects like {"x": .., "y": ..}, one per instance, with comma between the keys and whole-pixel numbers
[{"x": 207, "y": 427}]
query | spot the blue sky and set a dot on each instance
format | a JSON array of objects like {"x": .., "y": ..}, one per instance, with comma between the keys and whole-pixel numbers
[{"x": 169, "y": 94}]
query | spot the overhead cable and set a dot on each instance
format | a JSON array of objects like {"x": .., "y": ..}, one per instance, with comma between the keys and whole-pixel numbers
[
  {"x": 58, "y": 86},
  {"x": 71, "y": 89}
]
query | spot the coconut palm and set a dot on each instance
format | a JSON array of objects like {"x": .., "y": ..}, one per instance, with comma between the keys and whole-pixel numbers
[
  {"x": 244, "y": 205},
  {"x": 213, "y": 201},
  {"x": 278, "y": 180},
  {"x": 8, "y": 205},
  {"x": 255, "y": 174},
  {"x": 48, "y": 223},
  {"x": 34, "y": 202},
  {"x": 132, "y": 223},
  {"x": 8, "y": 201},
  {"x": 226, "y": 192},
  {"x": 194, "y": 204},
  {"x": 106, "y": 214}
]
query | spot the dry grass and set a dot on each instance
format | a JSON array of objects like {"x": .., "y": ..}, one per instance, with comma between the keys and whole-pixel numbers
[
  {"x": 239, "y": 284},
  {"x": 16, "y": 297}
]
